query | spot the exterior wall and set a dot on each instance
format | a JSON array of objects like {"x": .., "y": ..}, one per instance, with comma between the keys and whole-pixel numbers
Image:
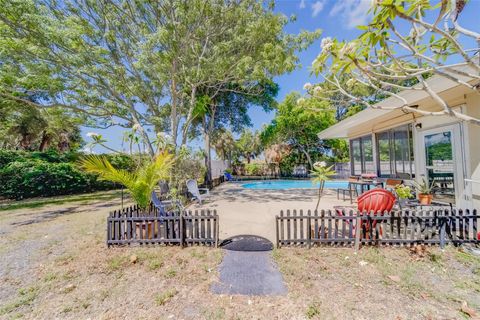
[
  {"x": 473, "y": 131},
  {"x": 218, "y": 167}
]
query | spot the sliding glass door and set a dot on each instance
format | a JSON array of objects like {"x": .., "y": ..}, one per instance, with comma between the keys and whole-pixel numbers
[{"x": 442, "y": 158}]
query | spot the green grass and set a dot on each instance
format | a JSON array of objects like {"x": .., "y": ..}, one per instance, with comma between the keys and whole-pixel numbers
[
  {"x": 41, "y": 202},
  {"x": 116, "y": 262},
  {"x": 25, "y": 298},
  {"x": 313, "y": 311},
  {"x": 164, "y": 297}
]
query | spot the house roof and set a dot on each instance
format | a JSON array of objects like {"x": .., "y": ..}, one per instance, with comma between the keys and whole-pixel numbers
[{"x": 371, "y": 118}]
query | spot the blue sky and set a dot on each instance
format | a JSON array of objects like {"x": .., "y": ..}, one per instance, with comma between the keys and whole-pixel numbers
[{"x": 336, "y": 19}]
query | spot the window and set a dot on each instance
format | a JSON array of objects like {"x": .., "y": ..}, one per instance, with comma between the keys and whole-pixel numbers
[
  {"x": 395, "y": 153},
  {"x": 362, "y": 155}
]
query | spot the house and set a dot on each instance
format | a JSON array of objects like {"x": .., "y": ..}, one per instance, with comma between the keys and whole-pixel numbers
[{"x": 397, "y": 143}]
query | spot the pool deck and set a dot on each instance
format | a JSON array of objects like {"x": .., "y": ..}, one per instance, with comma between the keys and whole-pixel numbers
[{"x": 253, "y": 211}]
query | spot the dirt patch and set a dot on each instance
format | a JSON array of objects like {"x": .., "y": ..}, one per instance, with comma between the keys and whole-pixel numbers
[
  {"x": 385, "y": 283},
  {"x": 60, "y": 268}
]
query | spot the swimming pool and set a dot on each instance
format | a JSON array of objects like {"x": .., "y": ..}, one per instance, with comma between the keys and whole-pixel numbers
[{"x": 291, "y": 184}]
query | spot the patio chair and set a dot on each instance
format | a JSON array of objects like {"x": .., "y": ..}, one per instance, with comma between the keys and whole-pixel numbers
[
  {"x": 163, "y": 206},
  {"x": 377, "y": 201},
  {"x": 195, "y": 190},
  {"x": 228, "y": 176},
  {"x": 390, "y": 184},
  {"x": 350, "y": 190}
]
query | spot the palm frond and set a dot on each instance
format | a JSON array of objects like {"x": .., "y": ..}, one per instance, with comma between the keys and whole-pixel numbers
[
  {"x": 103, "y": 168},
  {"x": 139, "y": 184}
]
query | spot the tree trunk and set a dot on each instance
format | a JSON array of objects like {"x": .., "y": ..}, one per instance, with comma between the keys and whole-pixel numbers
[
  {"x": 189, "y": 119},
  {"x": 310, "y": 163},
  {"x": 208, "y": 153},
  {"x": 173, "y": 113},
  {"x": 45, "y": 142},
  {"x": 320, "y": 193}
]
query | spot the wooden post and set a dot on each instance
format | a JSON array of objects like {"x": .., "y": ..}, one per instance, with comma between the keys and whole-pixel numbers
[
  {"x": 277, "y": 242},
  {"x": 182, "y": 231},
  {"x": 358, "y": 229},
  {"x": 217, "y": 231},
  {"x": 309, "y": 230},
  {"x": 443, "y": 222}
]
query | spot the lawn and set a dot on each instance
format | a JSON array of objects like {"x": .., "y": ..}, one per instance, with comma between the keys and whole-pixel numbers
[{"x": 54, "y": 264}]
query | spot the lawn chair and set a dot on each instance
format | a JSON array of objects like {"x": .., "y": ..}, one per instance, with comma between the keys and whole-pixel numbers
[
  {"x": 195, "y": 190},
  {"x": 165, "y": 206},
  {"x": 228, "y": 176}
]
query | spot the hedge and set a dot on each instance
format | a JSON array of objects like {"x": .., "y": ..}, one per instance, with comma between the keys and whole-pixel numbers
[
  {"x": 43, "y": 174},
  {"x": 27, "y": 179}
]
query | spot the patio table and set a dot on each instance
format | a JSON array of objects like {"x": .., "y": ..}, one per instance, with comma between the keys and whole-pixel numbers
[{"x": 365, "y": 184}]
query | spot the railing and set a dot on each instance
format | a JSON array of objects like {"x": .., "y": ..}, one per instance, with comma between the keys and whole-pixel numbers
[
  {"x": 132, "y": 225},
  {"x": 435, "y": 227}
]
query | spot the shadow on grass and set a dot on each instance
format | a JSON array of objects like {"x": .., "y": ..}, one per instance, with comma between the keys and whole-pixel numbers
[{"x": 41, "y": 202}]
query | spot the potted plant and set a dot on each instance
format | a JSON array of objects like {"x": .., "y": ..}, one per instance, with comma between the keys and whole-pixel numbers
[
  {"x": 425, "y": 191},
  {"x": 403, "y": 193},
  {"x": 320, "y": 174}
]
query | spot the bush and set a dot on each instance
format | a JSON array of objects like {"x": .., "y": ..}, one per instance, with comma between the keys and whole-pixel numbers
[
  {"x": 253, "y": 169},
  {"x": 35, "y": 178}
]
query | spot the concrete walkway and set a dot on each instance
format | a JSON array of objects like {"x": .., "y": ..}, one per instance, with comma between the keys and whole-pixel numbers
[
  {"x": 249, "y": 273},
  {"x": 249, "y": 211}
]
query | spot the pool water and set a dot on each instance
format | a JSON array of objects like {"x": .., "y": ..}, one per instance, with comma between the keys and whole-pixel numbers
[{"x": 292, "y": 184}]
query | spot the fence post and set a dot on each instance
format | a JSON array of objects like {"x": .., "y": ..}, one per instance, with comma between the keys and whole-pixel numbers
[
  {"x": 309, "y": 230},
  {"x": 277, "y": 241},
  {"x": 217, "y": 229},
  {"x": 182, "y": 231},
  {"x": 358, "y": 229},
  {"x": 442, "y": 230}
]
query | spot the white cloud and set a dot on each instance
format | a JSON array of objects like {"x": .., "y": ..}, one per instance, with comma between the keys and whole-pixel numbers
[
  {"x": 352, "y": 12},
  {"x": 317, "y": 7},
  {"x": 302, "y": 4}
]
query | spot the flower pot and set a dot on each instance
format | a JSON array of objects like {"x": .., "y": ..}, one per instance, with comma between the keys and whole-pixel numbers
[{"x": 425, "y": 198}]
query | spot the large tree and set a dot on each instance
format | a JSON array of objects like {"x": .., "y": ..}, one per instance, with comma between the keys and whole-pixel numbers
[
  {"x": 297, "y": 124},
  {"x": 141, "y": 64},
  {"x": 405, "y": 43},
  {"x": 25, "y": 127},
  {"x": 229, "y": 108}
]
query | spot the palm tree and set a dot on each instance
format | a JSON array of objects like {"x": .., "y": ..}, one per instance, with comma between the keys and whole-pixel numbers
[
  {"x": 140, "y": 183},
  {"x": 320, "y": 174}
]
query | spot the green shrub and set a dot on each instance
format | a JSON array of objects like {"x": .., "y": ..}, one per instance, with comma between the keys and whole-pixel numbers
[
  {"x": 36, "y": 178},
  {"x": 253, "y": 169}
]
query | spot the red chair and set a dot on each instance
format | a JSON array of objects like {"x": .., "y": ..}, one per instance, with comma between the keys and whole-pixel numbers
[{"x": 376, "y": 200}]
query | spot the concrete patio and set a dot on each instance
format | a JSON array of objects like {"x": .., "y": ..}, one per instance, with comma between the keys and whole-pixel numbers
[{"x": 250, "y": 211}]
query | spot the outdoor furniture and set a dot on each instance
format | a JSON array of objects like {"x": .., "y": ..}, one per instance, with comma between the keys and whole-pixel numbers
[
  {"x": 164, "y": 205},
  {"x": 195, "y": 190},
  {"x": 366, "y": 184},
  {"x": 350, "y": 190},
  {"x": 391, "y": 184},
  {"x": 228, "y": 176},
  {"x": 435, "y": 204},
  {"x": 376, "y": 200}
]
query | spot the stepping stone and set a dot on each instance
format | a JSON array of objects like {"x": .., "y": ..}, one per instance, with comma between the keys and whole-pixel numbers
[{"x": 249, "y": 272}]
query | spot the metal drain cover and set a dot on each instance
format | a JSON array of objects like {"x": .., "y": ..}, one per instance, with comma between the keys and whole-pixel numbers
[{"x": 247, "y": 243}]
